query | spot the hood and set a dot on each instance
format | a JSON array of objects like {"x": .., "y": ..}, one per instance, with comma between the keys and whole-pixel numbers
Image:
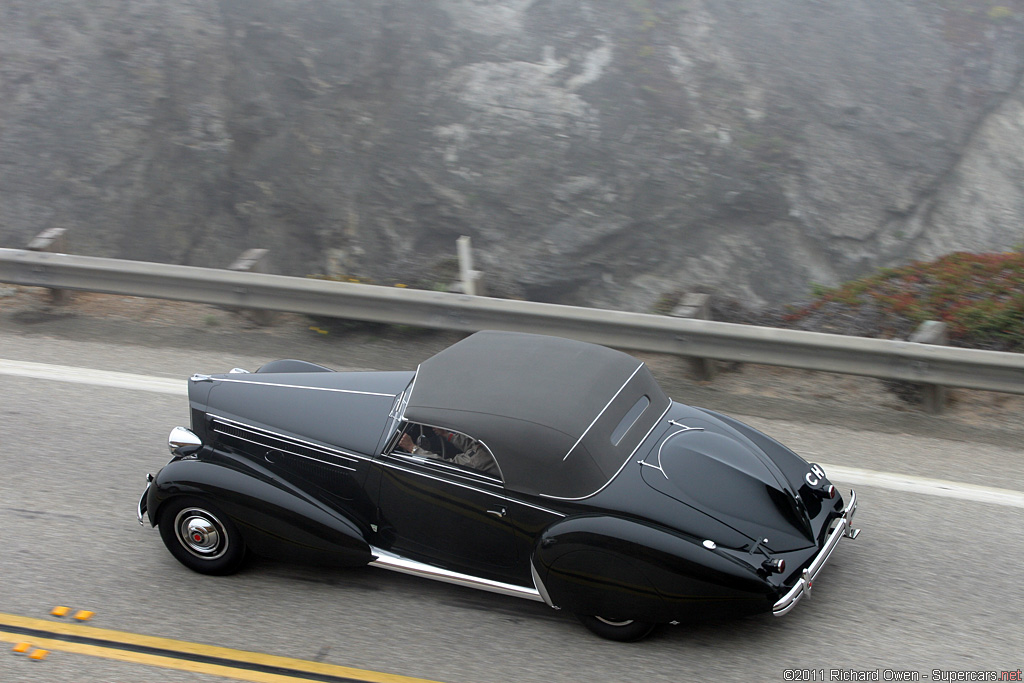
[
  {"x": 345, "y": 409},
  {"x": 708, "y": 465}
]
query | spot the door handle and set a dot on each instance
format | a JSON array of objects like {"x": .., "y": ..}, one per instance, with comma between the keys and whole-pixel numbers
[{"x": 498, "y": 513}]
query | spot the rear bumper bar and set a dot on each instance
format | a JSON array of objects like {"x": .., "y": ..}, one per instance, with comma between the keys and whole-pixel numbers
[{"x": 842, "y": 528}]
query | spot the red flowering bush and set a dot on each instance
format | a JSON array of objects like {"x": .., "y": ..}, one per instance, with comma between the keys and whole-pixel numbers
[{"x": 979, "y": 296}]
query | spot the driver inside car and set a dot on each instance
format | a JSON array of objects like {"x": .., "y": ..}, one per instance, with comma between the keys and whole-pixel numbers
[{"x": 457, "y": 448}]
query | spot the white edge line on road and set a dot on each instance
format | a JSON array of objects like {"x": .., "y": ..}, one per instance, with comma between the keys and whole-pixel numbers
[
  {"x": 846, "y": 475},
  {"x": 924, "y": 485},
  {"x": 102, "y": 378}
]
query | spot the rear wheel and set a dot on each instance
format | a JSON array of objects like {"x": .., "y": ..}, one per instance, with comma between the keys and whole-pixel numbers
[
  {"x": 200, "y": 536},
  {"x": 622, "y": 630}
]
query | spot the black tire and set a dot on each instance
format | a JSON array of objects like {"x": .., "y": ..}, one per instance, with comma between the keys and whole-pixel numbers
[
  {"x": 201, "y": 537},
  {"x": 622, "y": 630}
]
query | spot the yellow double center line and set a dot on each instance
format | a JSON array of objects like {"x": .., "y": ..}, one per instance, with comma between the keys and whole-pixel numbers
[{"x": 181, "y": 655}]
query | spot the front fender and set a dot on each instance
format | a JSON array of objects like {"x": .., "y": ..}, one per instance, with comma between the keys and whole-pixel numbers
[
  {"x": 625, "y": 569},
  {"x": 275, "y": 518}
]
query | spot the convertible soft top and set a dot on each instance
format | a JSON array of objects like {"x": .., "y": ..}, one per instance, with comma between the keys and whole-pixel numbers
[{"x": 560, "y": 416}]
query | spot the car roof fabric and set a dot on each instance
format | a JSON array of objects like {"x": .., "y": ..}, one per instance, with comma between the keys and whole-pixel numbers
[{"x": 545, "y": 406}]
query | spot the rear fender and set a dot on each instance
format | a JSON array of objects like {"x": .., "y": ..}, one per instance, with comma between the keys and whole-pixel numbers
[
  {"x": 275, "y": 519},
  {"x": 624, "y": 569}
]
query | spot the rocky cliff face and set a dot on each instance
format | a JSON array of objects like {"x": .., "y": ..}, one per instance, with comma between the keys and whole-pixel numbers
[{"x": 600, "y": 151}]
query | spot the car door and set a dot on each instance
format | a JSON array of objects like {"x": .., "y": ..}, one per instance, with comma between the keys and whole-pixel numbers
[{"x": 443, "y": 514}]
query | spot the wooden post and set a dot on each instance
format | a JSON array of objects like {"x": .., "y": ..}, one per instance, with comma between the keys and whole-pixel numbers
[
  {"x": 933, "y": 396},
  {"x": 698, "y": 307},
  {"x": 54, "y": 241}
]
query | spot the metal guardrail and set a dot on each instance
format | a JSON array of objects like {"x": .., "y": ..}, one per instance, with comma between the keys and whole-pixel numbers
[{"x": 895, "y": 360}]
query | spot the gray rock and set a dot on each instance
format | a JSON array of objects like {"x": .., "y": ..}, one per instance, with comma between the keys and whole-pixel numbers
[{"x": 597, "y": 152}]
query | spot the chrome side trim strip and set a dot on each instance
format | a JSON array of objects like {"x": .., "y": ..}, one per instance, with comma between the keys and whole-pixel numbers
[
  {"x": 621, "y": 467},
  {"x": 612, "y": 399},
  {"x": 384, "y": 462},
  {"x": 207, "y": 378},
  {"x": 440, "y": 464},
  {"x": 389, "y": 461},
  {"x": 664, "y": 441},
  {"x": 345, "y": 455},
  {"x": 802, "y": 588},
  {"x": 396, "y": 563},
  {"x": 284, "y": 450}
]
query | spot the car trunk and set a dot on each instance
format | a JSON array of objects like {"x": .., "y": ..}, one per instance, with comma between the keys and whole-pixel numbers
[{"x": 707, "y": 465}]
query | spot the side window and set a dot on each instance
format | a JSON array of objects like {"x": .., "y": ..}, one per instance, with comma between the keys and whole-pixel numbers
[
  {"x": 629, "y": 419},
  {"x": 447, "y": 448}
]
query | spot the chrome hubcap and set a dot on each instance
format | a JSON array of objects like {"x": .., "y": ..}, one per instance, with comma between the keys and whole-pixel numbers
[
  {"x": 615, "y": 622},
  {"x": 200, "y": 533}
]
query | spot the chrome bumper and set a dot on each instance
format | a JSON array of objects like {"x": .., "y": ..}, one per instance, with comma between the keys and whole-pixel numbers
[
  {"x": 142, "y": 501},
  {"x": 842, "y": 528}
]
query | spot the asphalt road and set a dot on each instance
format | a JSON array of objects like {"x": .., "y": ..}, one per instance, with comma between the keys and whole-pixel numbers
[{"x": 933, "y": 582}]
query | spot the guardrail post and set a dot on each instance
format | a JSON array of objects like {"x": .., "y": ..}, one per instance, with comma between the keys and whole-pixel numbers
[
  {"x": 470, "y": 281},
  {"x": 54, "y": 241},
  {"x": 933, "y": 397},
  {"x": 697, "y": 306},
  {"x": 252, "y": 261}
]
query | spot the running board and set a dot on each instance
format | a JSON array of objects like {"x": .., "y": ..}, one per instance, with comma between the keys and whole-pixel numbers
[{"x": 397, "y": 563}]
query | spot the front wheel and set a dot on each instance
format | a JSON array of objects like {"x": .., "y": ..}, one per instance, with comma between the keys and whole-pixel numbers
[
  {"x": 622, "y": 630},
  {"x": 201, "y": 537}
]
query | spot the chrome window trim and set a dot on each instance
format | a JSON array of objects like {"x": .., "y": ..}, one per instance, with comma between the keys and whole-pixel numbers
[
  {"x": 622, "y": 429},
  {"x": 408, "y": 395},
  {"x": 397, "y": 414},
  {"x": 204, "y": 378},
  {"x": 610, "y": 401},
  {"x": 500, "y": 479},
  {"x": 420, "y": 460},
  {"x": 394, "y": 407},
  {"x": 623, "y": 466},
  {"x": 503, "y": 494},
  {"x": 347, "y": 455},
  {"x": 455, "y": 470}
]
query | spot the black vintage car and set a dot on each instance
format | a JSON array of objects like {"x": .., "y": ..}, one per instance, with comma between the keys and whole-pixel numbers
[{"x": 533, "y": 466}]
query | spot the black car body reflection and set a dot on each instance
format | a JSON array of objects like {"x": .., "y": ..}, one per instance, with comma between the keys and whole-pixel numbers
[{"x": 589, "y": 488}]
